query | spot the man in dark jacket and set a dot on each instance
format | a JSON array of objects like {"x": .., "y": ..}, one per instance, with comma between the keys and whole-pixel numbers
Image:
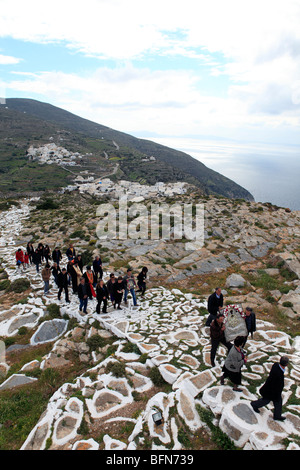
[
  {"x": 272, "y": 389},
  {"x": 214, "y": 303},
  {"x": 56, "y": 256},
  {"x": 217, "y": 336},
  {"x": 36, "y": 259},
  {"x": 63, "y": 283},
  {"x": 97, "y": 268},
  {"x": 83, "y": 294}
]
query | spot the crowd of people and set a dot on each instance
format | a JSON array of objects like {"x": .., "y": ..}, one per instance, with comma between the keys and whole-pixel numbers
[
  {"x": 237, "y": 357},
  {"x": 85, "y": 281},
  {"x": 89, "y": 284}
]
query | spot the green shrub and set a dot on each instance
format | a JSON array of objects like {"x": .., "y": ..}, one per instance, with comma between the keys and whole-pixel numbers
[
  {"x": 20, "y": 285},
  {"x": 22, "y": 331},
  {"x": 77, "y": 234},
  {"x": 156, "y": 377},
  {"x": 131, "y": 348},
  {"x": 287, "y": 304},
  {"x": 53, "y": 310},
  {"x": 143, "y": 358},
  {"x": 9, "y": 341},
  {"x": 116, "y": 368},
  {"x": 87, "y": 257},
  {"x": 47, "y": 204},
  {"x": 95, "y": 342},
  {"x": 5, "y": 284},
  {"x": 288, "y": 275},
  {"x": 284, "y": 289}
]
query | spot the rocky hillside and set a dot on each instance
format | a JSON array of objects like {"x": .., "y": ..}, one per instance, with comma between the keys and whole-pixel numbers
[
  {"x": 29, "y": 125},
  {"x": 94, "y": 382}
]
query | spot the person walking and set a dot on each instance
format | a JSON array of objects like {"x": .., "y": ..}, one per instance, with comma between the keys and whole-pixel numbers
[
  {"x": 118, "y": 288},
  {"x": 272, "y": 389},
  {"x": 40, "y": 249},
  {"x": 129, "y": 285},
  {"x": 71, "y": 253},
  {"x": 36, "y": 259},
  {"x": 20, "y": 258},
  {"x": 30, "y": 251},
  {"x": 83, "y": 295},
  {"x": 90, "y": 279},
  {"x": 217, "y": 336},
  {"x": 73, "y": 275},
  {"x": 63, "y": 283},
  {"x": 56, "y": 256},
  {"x": 46, "y": 253},
  {"x": 250, "y": 321},
  {"x": 78, "y": 260},
  {"x": 102, "y": 296},
  {"x": 233, "y": 364},
  {"x": 55, "y": 271},
  {"x": 109, "y": 286},
  {"x": 46, "y": 274},
  {"x": 26, "y": 260},
  {"x": 141, "y": 280},
  {"x": 97, "y": 268},
  {"x": 214, "y": 304},
  {"x": 78, "y": 272}
]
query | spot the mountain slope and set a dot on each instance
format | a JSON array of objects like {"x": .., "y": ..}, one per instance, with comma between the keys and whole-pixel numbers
[{"x": 109, "y": 146}]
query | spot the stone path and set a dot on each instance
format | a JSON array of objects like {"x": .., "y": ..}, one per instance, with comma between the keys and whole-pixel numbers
[{"x": 169, "y": 327}]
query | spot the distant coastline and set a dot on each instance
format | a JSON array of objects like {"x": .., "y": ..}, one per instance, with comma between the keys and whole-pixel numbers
[{"x": 269, "y": 173}]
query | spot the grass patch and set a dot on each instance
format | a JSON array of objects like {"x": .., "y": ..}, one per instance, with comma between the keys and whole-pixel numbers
[
  {"x": 20, "y": 285},
  {"x": 219, "y": 437}
]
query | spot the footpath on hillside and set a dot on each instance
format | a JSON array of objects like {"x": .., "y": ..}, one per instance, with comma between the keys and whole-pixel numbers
[{"x": 167, "y": 333}]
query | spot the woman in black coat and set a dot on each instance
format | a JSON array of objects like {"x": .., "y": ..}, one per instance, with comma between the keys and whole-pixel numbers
[
  {"x": 118, "y": 289},
  {"x": 250, "y": 321},
  {"x": 30, "y": 251},
  {"x": 46, "y": 253},
  {"x": 102, "y": 296},
  {"x": 141, "y": 280},
  {"x": 55, "y": 271}
]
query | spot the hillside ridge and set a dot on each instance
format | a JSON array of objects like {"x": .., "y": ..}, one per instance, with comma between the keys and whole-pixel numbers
[{"x": 169, "y": 165}]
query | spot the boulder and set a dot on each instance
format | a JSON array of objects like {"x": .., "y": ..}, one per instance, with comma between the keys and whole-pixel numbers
[
  {"x": 238, "y": 421},
  {"x": 49, "y": 331},
  {"x": 235, "y": 280},
  {"x": 16, "y": 380}
]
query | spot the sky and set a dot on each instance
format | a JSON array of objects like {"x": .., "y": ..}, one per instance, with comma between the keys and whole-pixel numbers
[{"x": 167, "y": 69}]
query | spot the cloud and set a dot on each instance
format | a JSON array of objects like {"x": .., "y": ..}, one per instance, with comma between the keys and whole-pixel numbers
[
  {"x": 126, "y": 30},
  {"x": 8, "y": 60},
  {"x": 134, "y": 99},
  {"x": 252, "y": 46}
]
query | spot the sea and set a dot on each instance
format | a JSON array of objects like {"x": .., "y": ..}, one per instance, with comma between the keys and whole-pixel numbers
[{"x": 270, "y": 173}]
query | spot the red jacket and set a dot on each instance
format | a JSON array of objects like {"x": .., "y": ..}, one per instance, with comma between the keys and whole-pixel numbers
[{"x": 20, "y": 256}]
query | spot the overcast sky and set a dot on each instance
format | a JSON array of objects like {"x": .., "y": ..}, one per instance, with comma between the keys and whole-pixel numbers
[{"x": 164, "y": 68}]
